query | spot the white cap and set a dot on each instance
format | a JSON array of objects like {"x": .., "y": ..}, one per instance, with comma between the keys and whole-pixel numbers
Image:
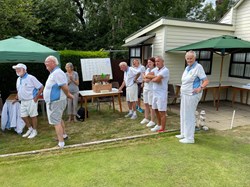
[
  {"x": 20, "y": 66},
  {"x": 203, "y": 112}
]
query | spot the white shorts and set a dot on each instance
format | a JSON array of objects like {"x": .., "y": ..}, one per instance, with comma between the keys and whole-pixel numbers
[
  {"x": 29, "y": 108},
  {"x": 132, "y": 93},
  {"x": 147, "y": 97},
  {"x": 55, "y": 111},
  {"x": 160, "y": 102}
]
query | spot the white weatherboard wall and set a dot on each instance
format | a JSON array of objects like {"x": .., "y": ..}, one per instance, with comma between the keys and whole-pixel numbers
[
  {"x": 158, "y": 41},
  {"x": 228, "y": 17},
  {"x": 242, "y": 24}
]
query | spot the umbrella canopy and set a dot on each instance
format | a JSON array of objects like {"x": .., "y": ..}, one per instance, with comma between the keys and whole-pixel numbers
[
  {"x": 20, "y": 49},
  {"x": 222, "y": 45}
]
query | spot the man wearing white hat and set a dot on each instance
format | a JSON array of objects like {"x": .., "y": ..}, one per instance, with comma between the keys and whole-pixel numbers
[{"x": 28, "y": 91}]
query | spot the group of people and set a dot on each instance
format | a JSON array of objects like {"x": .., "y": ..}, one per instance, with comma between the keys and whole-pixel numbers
[
  {"x": 155, "y": 85},
  {"x": 155, "y": 93},
  {"x": 61, "y": 90},
  {"x": 59, "y": 86}
]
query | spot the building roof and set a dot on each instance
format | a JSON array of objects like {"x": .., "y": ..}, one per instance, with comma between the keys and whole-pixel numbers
[{"x": 177, "y": 22}]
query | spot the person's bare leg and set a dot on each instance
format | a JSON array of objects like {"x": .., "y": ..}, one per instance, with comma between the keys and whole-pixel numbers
[
  {"x": 129, "y": 105},
  {"x": 27, "y": 122},
  {"x": 34, "y": 122},
  {"x": 59, "y": 132},
  {"x": 158, "y": 116},
  {"x": 152, "y": 113},
  {"x": 63, "y": 127},
  {"x": 139, "y": 102},
  {"x": 133, "y": 106},
  {"x": 147, "y": 111},
  {"x": 163, "y": 119}
]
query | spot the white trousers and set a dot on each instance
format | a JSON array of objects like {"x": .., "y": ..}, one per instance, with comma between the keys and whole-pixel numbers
[{"x": 187, "y": 112}]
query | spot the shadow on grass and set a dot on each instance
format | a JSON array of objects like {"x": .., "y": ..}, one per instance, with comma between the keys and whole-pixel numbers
[{"x": 101, "y": 125}]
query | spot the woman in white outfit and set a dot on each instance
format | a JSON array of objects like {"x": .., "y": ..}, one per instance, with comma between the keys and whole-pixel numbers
[
  {"x": 148, "y": 94},
  {"x": 194, "y": 80}
]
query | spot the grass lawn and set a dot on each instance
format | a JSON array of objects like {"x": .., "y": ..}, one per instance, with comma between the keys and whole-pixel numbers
[
  {"x": 101, "y": 125},
  {"x": 216, "y": 159}
]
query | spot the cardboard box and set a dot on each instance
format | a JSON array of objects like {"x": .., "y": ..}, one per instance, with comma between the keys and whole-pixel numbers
[
  {"x": 99, "y": 87},
  {"x": 100, "y": 78},
  {"x": 101, "y": 82}
]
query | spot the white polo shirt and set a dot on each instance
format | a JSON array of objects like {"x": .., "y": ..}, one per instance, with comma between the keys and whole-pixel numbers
[
  {"x": 27, "y": 87},
  {"x": 140, "y": 69},
  {"x": 192, "y": 78},
  {"x": 129, "y": 76},
  {"x": 52, "y": 91},
  {"x": 148, "y": 85},
  {"x": 163, "y": 85}
]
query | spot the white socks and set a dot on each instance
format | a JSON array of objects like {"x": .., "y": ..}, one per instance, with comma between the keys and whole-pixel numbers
[{"x": 61, "y": 144}]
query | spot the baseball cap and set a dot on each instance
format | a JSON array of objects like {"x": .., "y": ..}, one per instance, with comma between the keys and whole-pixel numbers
[{"x": 20, "y": 66}]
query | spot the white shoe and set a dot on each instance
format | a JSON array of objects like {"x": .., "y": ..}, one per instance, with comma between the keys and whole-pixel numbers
[
  {"x": 33, "y": 134},
  {"x": 133, "y": 116},
  {"x": 186, "y": 141},
  {"x": 144, "y": 121},
  {"x": 180, "y": 136},
  {"x": 151, "y": 124},
  {"x": 27, "y": 133},
  {"x": 156, "y": 128},
  {"x": 128, "y": 115}
]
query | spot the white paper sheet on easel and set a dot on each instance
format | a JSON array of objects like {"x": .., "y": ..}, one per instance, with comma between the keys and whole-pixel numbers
[{"x": 95, "y": 66}]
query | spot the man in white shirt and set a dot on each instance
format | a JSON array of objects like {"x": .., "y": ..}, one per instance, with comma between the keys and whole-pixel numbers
[
  {"x": 28, "y": 91},
  {"x": 194, "y": 80},
  {"x": 55, "y": 94},
  {"x": 130, "y": 77}
]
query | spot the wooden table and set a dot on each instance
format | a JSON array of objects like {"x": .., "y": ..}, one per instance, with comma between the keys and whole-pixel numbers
[
  {"x": 214, "y": 86},
  {"x": 86, "y": 94},
  {"x": 240, "y": 88}
]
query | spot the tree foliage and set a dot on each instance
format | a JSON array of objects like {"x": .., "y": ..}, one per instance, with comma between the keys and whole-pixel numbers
[
  {"x": 17, "y": 18},
  {"x": 213, "y": 14},
  {"x": 94, "y": 24}
]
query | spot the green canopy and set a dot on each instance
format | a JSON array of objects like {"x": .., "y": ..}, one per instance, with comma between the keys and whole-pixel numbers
[
  {"x": 222, "y": 45},
  {"x": 19, "y": 49}
]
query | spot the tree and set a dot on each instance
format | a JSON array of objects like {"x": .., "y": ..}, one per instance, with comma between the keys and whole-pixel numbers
[
  {"x": 59, "y": 27},
  {"x": 17, "y": 18},
  {"x": 214, "y": 14}
]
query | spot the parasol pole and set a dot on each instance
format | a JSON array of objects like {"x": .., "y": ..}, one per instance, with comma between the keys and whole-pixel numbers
[{"x": 221, "y": 66}]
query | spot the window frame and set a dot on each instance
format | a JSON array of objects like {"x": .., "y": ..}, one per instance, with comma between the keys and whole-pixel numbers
[
  {"x": 245, "y": 63},
  {"x": 210, "y": 60},
  {"x": 134, "y": 57}
]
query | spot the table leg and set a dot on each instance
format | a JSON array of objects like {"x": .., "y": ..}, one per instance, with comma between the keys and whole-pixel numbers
[
  {"x": 85, "y": 106},
  {"x": 241, "y": 96},
  {"x": 81, "y": 100},
  {"x": 113, "y": 98},
  {"x": 247, "y": 97},
  {"x": 234, "y": 94},
  {"x": 214, "y": 95},
  {"x": 205, "y": 95},
  {"x": 120, "y": 103}
]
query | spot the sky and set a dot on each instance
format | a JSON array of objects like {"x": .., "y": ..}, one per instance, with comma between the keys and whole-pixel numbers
[{"x": 210, "y": 1}]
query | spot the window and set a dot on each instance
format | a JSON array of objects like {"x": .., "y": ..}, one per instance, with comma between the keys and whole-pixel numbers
[
  {"x": 134, "y": 52},
  {"x": 205, "y": 59},
  {"x": 240, "y": 65}
]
